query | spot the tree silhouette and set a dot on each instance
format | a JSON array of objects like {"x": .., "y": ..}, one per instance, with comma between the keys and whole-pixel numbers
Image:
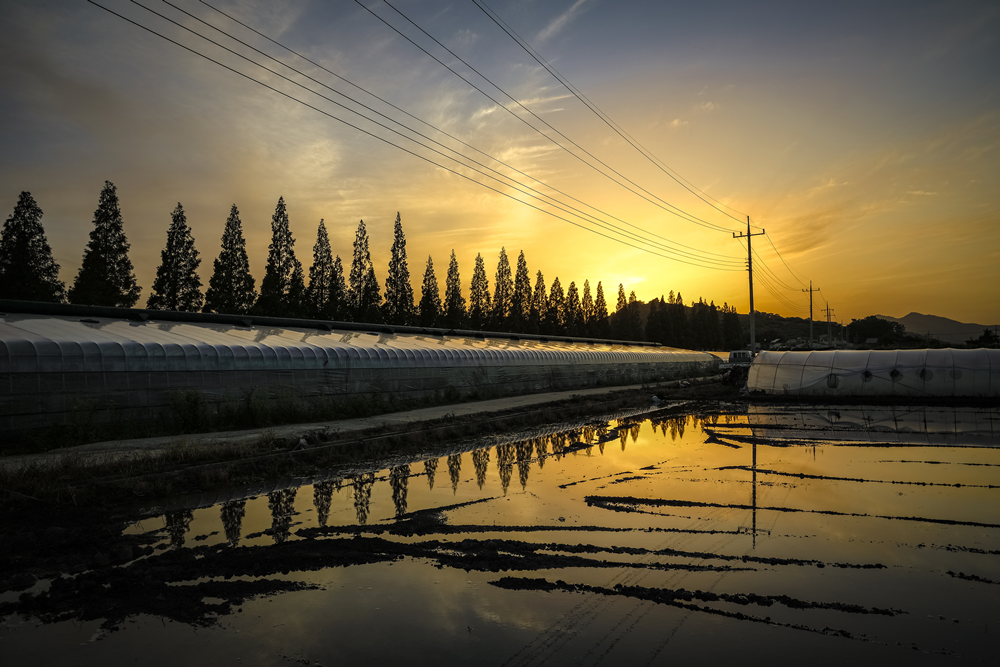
[
  {"x": 520, "y": 302},
  {"x": 106, "y": 277},
  {"x": 398, "y": 291},
  {"x": 365, "y": 297},
  {"x": 574, "y": 312},
  {"x": 503, "y": 292},
  {"x": 430, "y": 298},
  {"x": 539, "y": 305},
  {"x": 587, "y": 309},
  {"x": 479, "y": 296},
  {"x": 323, "y": 295},
  {"x": 281, "y": 268},
  {"x": 27, "y": 269},
  {"x": 600, "y": 313},
  {"x": 555, "y": 317},
  {"x": 454, "y": 302},
  {"x": 177, "y": 285},
  {"x": 231, "y": 289}
]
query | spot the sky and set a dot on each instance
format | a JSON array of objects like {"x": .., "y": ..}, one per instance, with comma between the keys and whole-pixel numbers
[{"x": 863, "y": 138}]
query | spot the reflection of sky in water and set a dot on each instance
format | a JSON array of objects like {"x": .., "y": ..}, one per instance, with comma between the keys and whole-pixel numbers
[{"x": 715, "y": 506}]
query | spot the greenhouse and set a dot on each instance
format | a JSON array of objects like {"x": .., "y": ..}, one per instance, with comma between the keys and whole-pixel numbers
[
  {"x": 58, "y": 369},
  {"x": 944, "y": 372}
]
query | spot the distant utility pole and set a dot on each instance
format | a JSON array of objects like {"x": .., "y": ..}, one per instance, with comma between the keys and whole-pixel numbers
[
  {"x": 829, "y": 327},
  {"x": 747, "y": 236},
  {"x": 811, "y": 290}
]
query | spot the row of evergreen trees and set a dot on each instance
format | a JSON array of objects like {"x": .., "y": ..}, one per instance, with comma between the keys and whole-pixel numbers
[{"x": 107, "y": 278}]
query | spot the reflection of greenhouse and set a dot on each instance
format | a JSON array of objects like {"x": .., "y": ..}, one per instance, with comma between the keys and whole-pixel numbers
[{"x": 59, "y": 368}]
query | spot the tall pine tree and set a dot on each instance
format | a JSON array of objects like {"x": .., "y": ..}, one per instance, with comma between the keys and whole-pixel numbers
[
  {"x": 365, "y": 296},
  {"x": 503, "y": 290},
  {"x": 454, "y": 302},
  {"x": 587, "y": 308},
  {"x": 319, "y": 295},
  {"x": 177, "y": 285},
  {"x": 27, "y": 270},
  {"x": 539, "y": 305},
  {"x": 106, "y": 277},
  {"x": 520, "y": 302},
  {"x": 231, "y": 289},
  {"x": 574, "y": 313},
  {"x": 398, "y": 291},
  {"x": 479, "y": 296},
  {"x": 281, "y": 268},
  {"x": 555, "y": 318},
  {"x": 600, "y": 313},
  {"x": 430, "y": 298}
]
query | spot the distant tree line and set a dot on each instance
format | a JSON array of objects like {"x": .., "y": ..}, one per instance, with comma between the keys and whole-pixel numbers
[{"x": 107, "y": 278}]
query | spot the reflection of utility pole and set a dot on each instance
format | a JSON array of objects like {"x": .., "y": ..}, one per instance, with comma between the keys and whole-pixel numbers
[
  {"x": 811, "y": 290},
  {"x": 747, "y": 236},
  {"x": 754, "y": 498},
  {"x": 829, "y": 327}
]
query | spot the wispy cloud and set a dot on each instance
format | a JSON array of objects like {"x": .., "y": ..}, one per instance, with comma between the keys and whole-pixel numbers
[{"x": 561, "y": 21}]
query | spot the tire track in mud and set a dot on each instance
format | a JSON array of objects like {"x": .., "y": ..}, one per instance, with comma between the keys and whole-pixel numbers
[
  {"x": 629, "y": 503},
  {"x": 802, "y": 475}
]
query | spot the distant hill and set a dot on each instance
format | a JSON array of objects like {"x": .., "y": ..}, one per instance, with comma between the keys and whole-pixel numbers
[{"x": 942, "y": 328}]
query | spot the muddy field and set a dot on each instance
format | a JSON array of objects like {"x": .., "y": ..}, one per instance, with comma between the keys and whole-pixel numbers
[{"x": 644, "y": 537}]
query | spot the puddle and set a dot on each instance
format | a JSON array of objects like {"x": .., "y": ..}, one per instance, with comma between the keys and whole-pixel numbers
[{"x": 641, "y": 538}]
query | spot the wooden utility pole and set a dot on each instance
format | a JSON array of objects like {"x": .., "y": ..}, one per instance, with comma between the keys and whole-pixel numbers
[
  {"x": 811, "y": 290},
  {"x": 829, "y": 326},
  {"x": 747, "y": 236}
]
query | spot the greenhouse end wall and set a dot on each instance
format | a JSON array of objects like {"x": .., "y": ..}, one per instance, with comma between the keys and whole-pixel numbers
[
  {"x": 57, "y": 371},
  {"x": 927, "y": 373}
]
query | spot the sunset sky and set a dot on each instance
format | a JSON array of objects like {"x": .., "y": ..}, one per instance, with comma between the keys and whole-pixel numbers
[{"x": 864, "y": 137}]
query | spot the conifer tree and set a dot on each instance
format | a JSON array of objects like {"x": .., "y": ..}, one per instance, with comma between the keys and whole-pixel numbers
[
  {"x": 338, "y": 292},
  {"x": 281, "y": 266},
  {"x": 231, "y": 289},
  {"x": 365, "y": 296},
  {"x": 600, "y": 313},
  {"x": 106, "y": 277},
  {"x": 177, "y": 285},
  {"x": 399, "y": 307},
  {"x": 430, "y": 297},
  {"x": 587, "y": 309},
  {"x": 619, "y": 321},
  {"x": 296, "y": 300},
  {"x": 520, "y": 302},
  {"x": 633, "y": 319},
  {"x": 27, "y": 269},
  {"x": 539, "y": 305},
  {"x": 479, "y": 296},
  {"x": 574, "y": 312},
  {"x": 555, "y": 319},
  {"x": 454, "y": 302},
  {"x": 319, "y": 296},
  {"x": 503, "y": 292}
]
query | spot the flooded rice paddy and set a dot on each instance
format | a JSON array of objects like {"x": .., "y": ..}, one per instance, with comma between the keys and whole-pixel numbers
[{"x": 641, "y": 538}]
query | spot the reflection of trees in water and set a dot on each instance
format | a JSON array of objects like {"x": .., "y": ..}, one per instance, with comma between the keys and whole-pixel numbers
[
  {"x": 323, "y": 498},
  {"x": 481, "y": 459},
  {"x": 623, "y": 435},
  {"x": 634, "y": 431},
  {"x": 398, "y": 478},
  {"x": 505, "y": 464},
  {"x": 430, "y": 467},
  {"x": 541, "y": 450},
  {"x": 558, "y": 441},
  {"x": 522, "y": 451},
  {"x": 601, "y": 432},
  {"x": 177, "y": 526},
  {"x": 233, "y": 512},
  {"x": 282, "y": 506},
  {"x": 454, "y": 470},
  {"x": 363, "y": 484}
]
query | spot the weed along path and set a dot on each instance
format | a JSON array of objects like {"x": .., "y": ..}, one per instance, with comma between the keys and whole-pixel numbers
[{"x": 636, "y": 534}]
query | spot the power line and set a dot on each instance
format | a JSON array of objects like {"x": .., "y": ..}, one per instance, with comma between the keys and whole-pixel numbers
[
  {"x": 783, "y": 260},
  {"x": 554, "y": 202},
  {"x": 375, "y": 136},
  {"x": 683, "y": 182},
  {"x": 416, "y": 118},
  {"x": 666, "y": 206}
]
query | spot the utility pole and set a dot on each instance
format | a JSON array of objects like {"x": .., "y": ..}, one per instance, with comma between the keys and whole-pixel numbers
[
  {"x": 829, "y": 327},
  {"x": 747, "y": 236},
  {"x": 811, "y": 290}
]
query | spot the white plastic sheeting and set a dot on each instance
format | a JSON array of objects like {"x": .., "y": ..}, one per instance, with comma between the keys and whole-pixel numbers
[
  {"x": 53, "y": 369},
  {"x": 944, "y": 372}
]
